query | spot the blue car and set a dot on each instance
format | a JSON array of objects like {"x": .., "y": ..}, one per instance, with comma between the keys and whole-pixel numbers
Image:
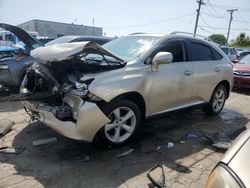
[{"x": 13, "y": 60}]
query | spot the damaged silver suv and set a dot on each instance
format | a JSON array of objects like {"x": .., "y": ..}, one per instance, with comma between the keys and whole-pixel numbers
[{"x": 83, "y": 90}]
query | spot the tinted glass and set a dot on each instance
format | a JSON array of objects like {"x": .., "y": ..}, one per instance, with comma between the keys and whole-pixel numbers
[
  {"x": 176, "y": 48},
  {"x": 201, "y": 52}
]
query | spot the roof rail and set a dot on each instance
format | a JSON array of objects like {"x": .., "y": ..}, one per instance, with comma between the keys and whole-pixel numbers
[{"x": 194, "y": 35}]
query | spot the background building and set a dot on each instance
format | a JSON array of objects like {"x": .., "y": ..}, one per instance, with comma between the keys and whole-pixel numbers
[{"x": 56, "y": 29}]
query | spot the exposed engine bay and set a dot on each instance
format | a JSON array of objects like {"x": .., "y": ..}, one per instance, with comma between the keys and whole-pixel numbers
[{"x": 49, "y": 81}]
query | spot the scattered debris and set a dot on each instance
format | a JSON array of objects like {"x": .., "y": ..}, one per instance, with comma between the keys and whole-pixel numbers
[
  {"x": 161, "y": 182},
  {"x": 170, "y": 145},
  {"x": 223, "y": 140},
  {"x": 4, "y": 147},
  {"x": 125, "y": 153},
  {"x": 223, "y": 145},
  {"x": 44, "y": 141},
  {"x": 191, "y": 136},
  {"x": 201, "y": 167},
  {"x": 159, "y": 147},
  {"x": 5, "y": 126},
  {"x": 11, "y": 150},
  {"x": 86, "y": 158}
]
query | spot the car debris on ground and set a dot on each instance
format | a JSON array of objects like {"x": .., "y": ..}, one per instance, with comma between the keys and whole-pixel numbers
[
  {"x": 125, "y": 153},
  {"x": 44, "y": 141},
  {"x": 225, "y": 139},
  {"x": 191, "y": 136},
  {"x": 5, "y": 126},
  {"x": 170, "y": 145},
  {"x": 11, "y": 150},
  {"x": 161, "y": 182}
]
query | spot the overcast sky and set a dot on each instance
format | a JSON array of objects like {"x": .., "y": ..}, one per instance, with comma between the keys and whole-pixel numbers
[{"x": 119, "y": 17}]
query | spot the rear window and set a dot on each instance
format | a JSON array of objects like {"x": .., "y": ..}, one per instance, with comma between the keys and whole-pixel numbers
[{"x": 201, "y": 52}]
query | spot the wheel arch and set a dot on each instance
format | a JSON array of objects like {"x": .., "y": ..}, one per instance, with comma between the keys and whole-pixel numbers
[
  {"x": 226, "y": 84},
  {"x": 135, "y": 97}
]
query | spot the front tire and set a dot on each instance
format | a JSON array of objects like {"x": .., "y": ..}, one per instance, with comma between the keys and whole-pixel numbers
[
  {"x": 125, "y": 118},
  {"x": 217, "y": 100}
]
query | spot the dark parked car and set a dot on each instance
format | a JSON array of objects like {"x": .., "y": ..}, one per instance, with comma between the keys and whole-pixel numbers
[
  {"x": 242, "y": 72},
  {"x": 13, "y": 67}
]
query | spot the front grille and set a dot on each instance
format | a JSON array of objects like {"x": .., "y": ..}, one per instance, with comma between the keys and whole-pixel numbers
[{"x": 241, "y": 73}]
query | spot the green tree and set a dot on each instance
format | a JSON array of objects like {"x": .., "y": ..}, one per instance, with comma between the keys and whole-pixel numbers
[
  {"x": 218, "y": 38},
  {"x": 241, "y": 41}
]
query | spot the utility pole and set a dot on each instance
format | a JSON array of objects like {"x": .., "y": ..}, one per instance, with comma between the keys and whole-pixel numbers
[
  {"x": 93, "y": 23},
  {"x": 230, "y": 21},
  {"x": 200, "y": 2}
]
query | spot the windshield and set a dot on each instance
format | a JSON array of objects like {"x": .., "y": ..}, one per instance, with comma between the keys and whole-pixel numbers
[
  {"x": 246, "y": 59},
  {"x": 130, "y": 47},
  {"x": 64, "y": 39}
]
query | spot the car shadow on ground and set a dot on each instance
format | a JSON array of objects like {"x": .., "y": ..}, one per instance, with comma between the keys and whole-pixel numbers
[
  {"x": 64, "y": 163},
  {"x": 245, "y": 91}
]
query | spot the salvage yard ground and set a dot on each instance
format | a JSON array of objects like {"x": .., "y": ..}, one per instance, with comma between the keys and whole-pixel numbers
[{"x": 68, "y": 163}]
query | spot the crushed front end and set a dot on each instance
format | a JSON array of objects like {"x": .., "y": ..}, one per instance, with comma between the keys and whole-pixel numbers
[{"x": 56, "y": 93}]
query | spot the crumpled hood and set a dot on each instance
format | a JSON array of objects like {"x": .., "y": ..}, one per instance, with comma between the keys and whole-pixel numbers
[
  {"x": 25, "y": 37},
  {"x": 66, "y": 51}
]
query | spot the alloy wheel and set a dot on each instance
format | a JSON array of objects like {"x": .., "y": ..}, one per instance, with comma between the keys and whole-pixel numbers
[
  {"x": 219, "y": 99},
  {"x": 122, "y": 125}
]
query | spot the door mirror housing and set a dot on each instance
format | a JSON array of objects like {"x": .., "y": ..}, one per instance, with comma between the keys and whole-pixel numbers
[{"x": 161, "y": 58}]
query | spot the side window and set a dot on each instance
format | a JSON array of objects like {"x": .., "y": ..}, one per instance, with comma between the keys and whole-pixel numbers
[
  {"x": 216, "y": 55},
  {"x": 200, "y": 52},
  {"x": 177, "y": 50}
]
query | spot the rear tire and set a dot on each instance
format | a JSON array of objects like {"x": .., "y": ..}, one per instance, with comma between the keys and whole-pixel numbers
[
  {"x": 217, "y": 100},
  {"x": 125, "y": 118}
]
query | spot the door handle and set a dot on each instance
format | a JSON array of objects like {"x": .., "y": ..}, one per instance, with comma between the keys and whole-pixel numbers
[
  {"x": 187, "y": 72},
  {"x": 217, "y": 69}
]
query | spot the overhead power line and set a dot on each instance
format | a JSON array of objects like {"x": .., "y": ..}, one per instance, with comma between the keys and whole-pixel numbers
[
  {"x": 223, "y": 28},
  {"x": 150, "y": 23},
  {"x": 242, "y": 9}
]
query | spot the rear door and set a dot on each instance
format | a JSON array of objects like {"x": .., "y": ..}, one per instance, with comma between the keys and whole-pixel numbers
[
  {"x": 206, "y": 69},
  {"x": 171, "y": 85}
]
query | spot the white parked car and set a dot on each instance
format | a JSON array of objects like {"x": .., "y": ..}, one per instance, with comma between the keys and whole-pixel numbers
[{"x": 83, "y": 90}]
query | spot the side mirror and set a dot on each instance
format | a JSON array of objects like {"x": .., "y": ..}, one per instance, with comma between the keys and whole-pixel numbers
[{"x": 161, "y": 58}]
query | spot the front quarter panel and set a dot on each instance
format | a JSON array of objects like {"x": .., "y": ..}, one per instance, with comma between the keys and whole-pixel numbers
[{"x": 128, "y": 79}]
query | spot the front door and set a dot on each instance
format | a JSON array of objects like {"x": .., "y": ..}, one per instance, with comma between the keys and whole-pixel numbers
[{"x": 171, "y": 86}]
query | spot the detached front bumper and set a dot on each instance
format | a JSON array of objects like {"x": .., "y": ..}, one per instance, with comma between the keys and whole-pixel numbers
[
  {"x": 89, "y": 118},
  {"x": 241, "y": 81}
]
